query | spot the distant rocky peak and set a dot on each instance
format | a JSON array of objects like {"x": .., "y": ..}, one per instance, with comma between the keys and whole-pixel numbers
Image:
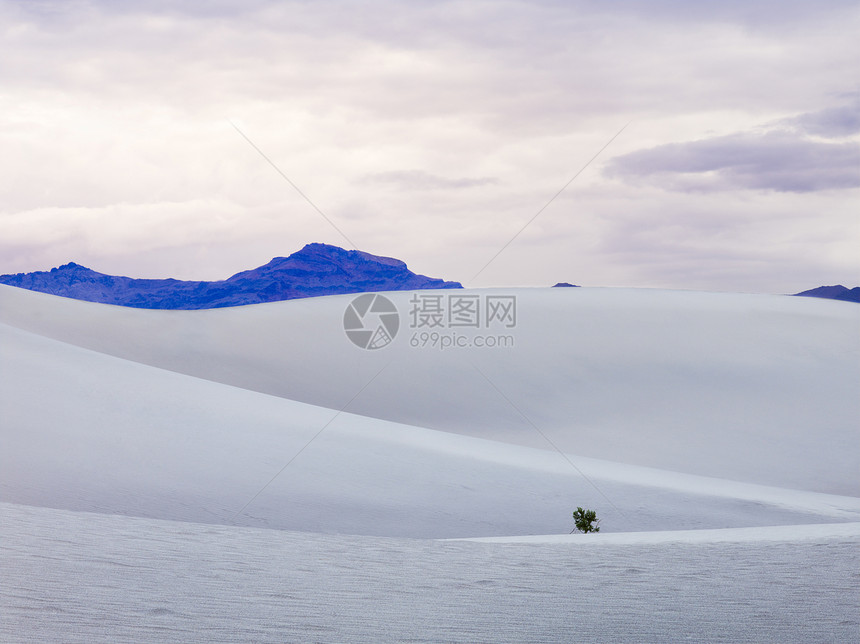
[
  {"x": 328, "y": 251},
  {"x": 836, "y": 292}
]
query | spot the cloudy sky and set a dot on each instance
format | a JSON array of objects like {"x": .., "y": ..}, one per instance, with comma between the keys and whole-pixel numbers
[{"x": 434, "y": 132}]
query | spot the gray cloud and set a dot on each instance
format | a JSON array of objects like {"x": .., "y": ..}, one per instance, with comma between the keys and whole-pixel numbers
[
  {"x": 763, "y": 14},
  {"x": 777, "y": 160},
  {"x": 420, "y": 180},
  {"x": 833, "y": 122}
]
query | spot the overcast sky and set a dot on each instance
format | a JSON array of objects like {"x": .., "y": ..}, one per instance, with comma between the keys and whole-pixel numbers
[{"x": 433, "y": 132}]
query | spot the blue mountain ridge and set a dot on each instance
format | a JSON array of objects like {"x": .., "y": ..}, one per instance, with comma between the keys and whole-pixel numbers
[
  {"x": 317, "y": 269},
  {"x": 837, "y": 292}
]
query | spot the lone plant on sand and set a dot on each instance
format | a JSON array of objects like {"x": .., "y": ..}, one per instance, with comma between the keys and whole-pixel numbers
[{"x": 585, "y": 520}]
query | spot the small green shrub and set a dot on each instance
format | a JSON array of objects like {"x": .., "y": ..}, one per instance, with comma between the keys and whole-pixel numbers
[{"x": 585, "y": 520}]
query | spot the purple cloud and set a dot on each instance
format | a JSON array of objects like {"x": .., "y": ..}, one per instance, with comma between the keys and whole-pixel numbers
[
  {"x": 779, "y": 160},
  {"x": 834, "y": 122}
]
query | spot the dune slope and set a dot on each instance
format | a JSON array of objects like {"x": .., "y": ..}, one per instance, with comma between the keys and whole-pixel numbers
[{"x": 759, "y": 389}]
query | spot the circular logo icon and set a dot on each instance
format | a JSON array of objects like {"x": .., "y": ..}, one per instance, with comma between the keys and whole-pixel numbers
[{"x": 371, "y": 321}]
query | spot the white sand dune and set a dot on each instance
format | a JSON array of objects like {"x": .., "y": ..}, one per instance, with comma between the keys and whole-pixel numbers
[
  {"x": 753, "y": 388},
  {"x": 774, "y": 534},
  {"x": 87, "y": 431},
  {"x": 99, "y": 430},
  {"x": 725, "y": 424}
]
